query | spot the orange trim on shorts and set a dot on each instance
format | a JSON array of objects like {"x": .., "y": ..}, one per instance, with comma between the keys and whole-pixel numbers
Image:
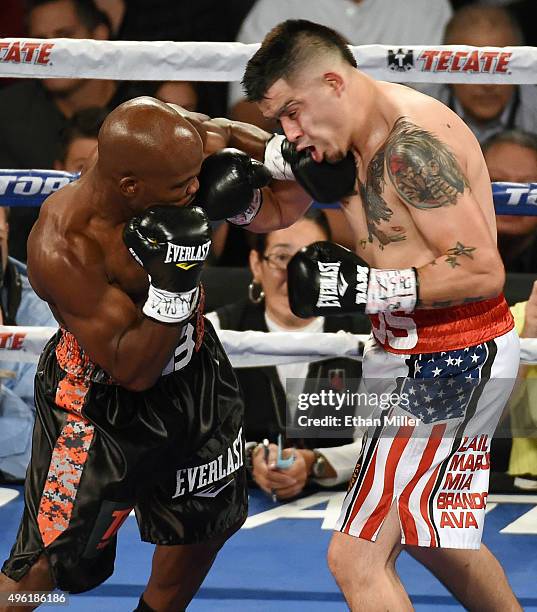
[
  {"x": 61, "y": 485},
  {"x": 405, "y": 516},
  {"x": 447, "y": 329},
  {"x": 397, "y": 448}
]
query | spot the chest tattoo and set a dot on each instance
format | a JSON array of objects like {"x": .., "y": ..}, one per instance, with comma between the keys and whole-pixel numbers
[{"x": 377, "y": 211}]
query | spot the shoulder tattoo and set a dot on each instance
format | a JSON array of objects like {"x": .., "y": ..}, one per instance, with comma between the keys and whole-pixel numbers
[{"x": 423, "y": 170}]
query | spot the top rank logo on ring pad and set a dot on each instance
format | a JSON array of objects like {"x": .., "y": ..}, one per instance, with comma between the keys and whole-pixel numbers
[{"x": 400, "y": 60}]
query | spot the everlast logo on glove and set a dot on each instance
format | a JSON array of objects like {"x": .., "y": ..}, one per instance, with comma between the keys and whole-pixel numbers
[
  {"x": 171, "y": 244},
  {"x": 326, "y": 275},
  {"x": 182, "y": 254},
  {"x": 328, "y": 284}
]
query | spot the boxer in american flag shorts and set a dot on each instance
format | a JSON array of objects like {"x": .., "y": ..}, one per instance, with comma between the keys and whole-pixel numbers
[
  {"x": 425, "y": 266},
  {"x": 433, "y": 462}
]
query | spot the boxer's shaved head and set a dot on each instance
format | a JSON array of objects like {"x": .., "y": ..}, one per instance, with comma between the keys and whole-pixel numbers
[
  {"x": 290, "y": 48},
  {"x": 145, "y": 137}
]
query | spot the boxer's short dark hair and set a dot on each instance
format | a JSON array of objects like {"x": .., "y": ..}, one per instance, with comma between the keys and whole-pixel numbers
[
  {"x": 88, "y": 12},
  {"x": 315, "y": 215},
  {"x": 284, "y": 50}
]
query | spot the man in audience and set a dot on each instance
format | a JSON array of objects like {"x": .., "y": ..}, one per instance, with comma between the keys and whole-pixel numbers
[
  {"x": 487, "y": 109},
  {"x": 270, "y": 393},
  {"x": 512, "y": 156},
  {"x": 19, "y": 305},
  {"x": 35, "y": 111},
  {"x": 361, "y": 22},
  {"x": 79, "y": 138}
]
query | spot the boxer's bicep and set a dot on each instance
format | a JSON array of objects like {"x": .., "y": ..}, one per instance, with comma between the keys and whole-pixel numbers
[
  {"x": 97, "y": 313},
  {"x": 467, "y": 266},
  {"x": 428, "y": 178}
]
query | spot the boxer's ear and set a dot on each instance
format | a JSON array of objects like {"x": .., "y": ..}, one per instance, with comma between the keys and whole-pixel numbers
[
  {"x": 128, "y": 186},
  {"x": 335, "y": 80}
]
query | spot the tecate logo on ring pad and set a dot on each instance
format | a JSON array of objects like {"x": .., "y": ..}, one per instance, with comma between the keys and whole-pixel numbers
[
  {"x": 437, "y": 60},
  {"x": 17, "y": 52}
]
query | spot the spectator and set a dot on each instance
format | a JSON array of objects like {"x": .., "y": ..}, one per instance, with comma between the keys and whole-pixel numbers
[
  {"x": 523, "y": 404},
  {"x": 115, "y": 11},
  {"x": 361, "y": 22},
  {"x": 512, "y": 156},
  {"x": 183, "y": 93},
  {"x": 487, "y": 109},
  {"x": 327, "y": 461},
  {"x": 196, "y": 96},
  {"x": 182, "y": 20},
  {"x": 38, "y": 109},
  {"x": 19, "y": 306},
  {"x": 79, "y": 138}
]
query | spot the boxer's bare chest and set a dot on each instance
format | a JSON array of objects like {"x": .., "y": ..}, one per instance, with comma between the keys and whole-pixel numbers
[{"x": 381, "y": 223}]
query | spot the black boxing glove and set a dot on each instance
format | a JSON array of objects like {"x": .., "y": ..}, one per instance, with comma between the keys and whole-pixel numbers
[
  {"x": 325, "y": 278},
  {"x": 324, "y": 181},
  {"x": 171, "y": 244},
  {"x": 230, "y": 186}
]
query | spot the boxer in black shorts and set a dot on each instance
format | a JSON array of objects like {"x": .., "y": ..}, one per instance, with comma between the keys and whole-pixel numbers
[
  {"x": 174, "y": 453},
  {"x": 137, "y": 405}
]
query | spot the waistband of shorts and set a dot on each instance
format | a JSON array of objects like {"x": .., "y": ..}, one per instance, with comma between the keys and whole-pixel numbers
[
  {"x": 73, "y": 359},
  {"x": 445, "y": 329}
]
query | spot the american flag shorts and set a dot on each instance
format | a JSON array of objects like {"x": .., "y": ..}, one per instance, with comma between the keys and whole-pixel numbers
[{"x": 428, "y": 452}]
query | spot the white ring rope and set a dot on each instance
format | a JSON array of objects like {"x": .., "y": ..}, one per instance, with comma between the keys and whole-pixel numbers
[
  {"x": 244, "y": 349},
  {"x": 225, "y": 61}
]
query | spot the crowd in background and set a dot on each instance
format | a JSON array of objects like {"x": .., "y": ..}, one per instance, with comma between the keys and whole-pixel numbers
[{"x": 54, "y": 123}]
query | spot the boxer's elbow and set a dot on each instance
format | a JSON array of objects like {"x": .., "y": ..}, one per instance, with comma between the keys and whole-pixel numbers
[
  {"x": 137, "y": 383},
  {"x": 490, "y": 274}
]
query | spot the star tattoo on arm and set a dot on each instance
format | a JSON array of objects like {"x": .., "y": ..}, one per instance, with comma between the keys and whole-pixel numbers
[{"x": 459, "y": 250}]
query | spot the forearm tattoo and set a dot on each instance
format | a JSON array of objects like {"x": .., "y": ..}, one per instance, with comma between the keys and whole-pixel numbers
[
  {"x": 422, "y": 169},
  {"x": 453, "y": 255}
]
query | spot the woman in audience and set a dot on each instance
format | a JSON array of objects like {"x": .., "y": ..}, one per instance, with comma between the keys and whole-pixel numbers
[
  {"x": 327, "y": 461},
  {"x": 523, "y": 404}
]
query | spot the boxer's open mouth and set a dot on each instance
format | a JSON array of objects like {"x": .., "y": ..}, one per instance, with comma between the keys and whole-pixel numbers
[{"x": 315, "y": 154}]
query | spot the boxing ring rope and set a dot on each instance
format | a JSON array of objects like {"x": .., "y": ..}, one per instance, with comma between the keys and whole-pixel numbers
[
  {"x": 225, "y": 61},
  {"x": 244, "y": 348}
]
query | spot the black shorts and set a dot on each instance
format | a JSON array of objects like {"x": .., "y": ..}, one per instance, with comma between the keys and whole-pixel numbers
[{"x": 174, "y": 453}]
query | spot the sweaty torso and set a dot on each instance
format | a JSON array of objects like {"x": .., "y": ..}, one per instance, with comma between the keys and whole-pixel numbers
[
  {"x": 68, "y": 221},
  {"x": 385, "y": 233}
]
